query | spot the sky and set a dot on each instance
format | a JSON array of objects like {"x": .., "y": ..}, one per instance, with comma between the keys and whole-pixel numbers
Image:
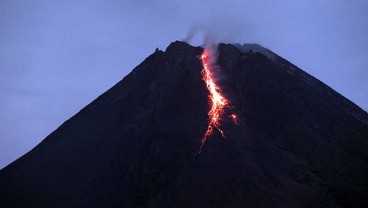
[{"x": 58, "y": 56}]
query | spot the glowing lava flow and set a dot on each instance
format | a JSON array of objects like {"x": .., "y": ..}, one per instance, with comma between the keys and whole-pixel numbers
[{"x": 217, "y": 101}]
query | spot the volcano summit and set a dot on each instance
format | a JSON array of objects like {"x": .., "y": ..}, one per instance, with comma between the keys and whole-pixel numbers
[{"x": 282, "y": 139}]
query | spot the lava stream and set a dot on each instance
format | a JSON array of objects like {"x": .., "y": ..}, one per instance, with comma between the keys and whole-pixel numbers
[{"x": 217, "y": 101}]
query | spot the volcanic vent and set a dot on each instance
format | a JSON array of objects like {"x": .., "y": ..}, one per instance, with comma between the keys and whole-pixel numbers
[{"x": 291, "y": 141}]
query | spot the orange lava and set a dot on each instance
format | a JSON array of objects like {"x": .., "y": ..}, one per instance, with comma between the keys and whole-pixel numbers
[
  {"x": 217, "y": 101},
  {"x": 234, "y": 118}
]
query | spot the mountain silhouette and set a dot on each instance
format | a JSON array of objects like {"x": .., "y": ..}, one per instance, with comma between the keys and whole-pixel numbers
[{"x": 297, "y": 142}]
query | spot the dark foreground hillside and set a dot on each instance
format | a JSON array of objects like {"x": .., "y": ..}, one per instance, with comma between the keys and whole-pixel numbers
[{"x": 298, "y": 143}]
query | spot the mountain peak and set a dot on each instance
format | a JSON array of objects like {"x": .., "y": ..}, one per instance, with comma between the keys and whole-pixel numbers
[
  {"x": 296, "y": 142},
  {"x": 178, "y": 45}
]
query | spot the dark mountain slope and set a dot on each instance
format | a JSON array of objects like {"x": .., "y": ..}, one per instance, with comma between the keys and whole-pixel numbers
[
  {"x": 300, "y": 115},
  {"x": 298, "y": 143}
]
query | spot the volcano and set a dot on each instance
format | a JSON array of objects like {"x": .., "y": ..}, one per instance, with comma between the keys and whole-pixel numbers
[{"x": 295, "y": 141}]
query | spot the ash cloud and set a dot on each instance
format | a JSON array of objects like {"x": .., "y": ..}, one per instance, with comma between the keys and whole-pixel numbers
[{"x": 216, "y": 29}]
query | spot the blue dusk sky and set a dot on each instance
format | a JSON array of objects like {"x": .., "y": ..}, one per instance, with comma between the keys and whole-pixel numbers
[{"x": 57, "y": 56}]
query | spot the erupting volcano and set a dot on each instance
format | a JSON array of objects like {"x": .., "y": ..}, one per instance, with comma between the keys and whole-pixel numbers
[
  {"x": 295, "y": 143},
  {"x": 216, "y": 99}
]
